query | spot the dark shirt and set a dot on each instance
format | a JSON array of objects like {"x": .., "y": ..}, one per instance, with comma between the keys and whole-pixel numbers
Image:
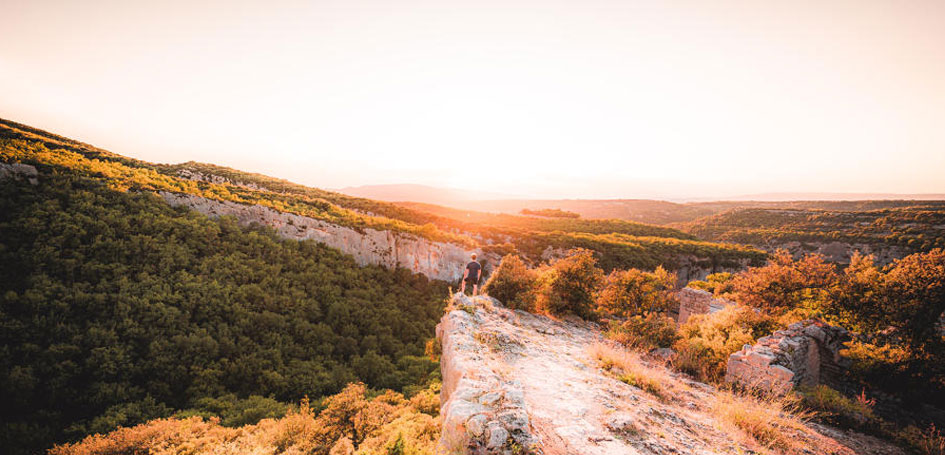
[{"x": 473, "y": 268}]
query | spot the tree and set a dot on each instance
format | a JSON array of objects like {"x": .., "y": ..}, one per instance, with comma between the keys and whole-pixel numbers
[
  {"x": 784, "y": 284},
  {"x": 569, "y": 284}
]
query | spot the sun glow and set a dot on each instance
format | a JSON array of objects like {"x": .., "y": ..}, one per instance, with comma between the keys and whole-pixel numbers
[{"x": 554, "y": 99}]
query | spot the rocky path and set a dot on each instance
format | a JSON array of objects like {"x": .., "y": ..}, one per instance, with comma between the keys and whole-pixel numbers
[{"x": 515, "y": 382}]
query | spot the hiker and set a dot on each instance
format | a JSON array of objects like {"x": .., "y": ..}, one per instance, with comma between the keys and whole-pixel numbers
[{"x": 471, "y": 275}]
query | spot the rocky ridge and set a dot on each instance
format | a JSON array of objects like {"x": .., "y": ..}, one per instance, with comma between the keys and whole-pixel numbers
[
  {"x": 516, "y": 383},
  {"x": 436, "y": 260}
]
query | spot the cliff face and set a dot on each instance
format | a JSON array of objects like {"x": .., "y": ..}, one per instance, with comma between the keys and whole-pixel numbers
[
  {"x": 436, "y": 260},
  {"x": 515, "y": 383}
]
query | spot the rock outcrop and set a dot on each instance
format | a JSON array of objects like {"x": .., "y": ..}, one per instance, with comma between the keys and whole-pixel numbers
[
  {"x": 436, "y": 260},
  {"x": 19, "y": 171},
  {"x": 805, "y": 354},
  {"x": 520, "y": 383},
  {"x": 696, "y": 301}
]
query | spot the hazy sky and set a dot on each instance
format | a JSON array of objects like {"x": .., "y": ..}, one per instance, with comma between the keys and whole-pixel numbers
[{"x": 579, "y": 98}]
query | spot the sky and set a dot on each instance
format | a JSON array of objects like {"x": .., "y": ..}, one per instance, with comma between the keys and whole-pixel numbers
[{"x": 548, "y": 99}]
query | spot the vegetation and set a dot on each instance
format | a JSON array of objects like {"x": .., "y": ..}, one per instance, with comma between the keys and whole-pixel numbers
[
  {"x": 633, "y": 292},
  {"x": 768, "y": 420},
  {"x": 784, "y": 283},
  {"x": 629, "y": 369},
  {"x": 352, "y": 422},
  {"x": 569, "y": 284},
  {"x": 834, "y": 407},
  {"x": 707, "y": 340},
  {"x": 514, "y": 284},
  {"x": 117, "y": 309},
  {"x": 911, "y": 225},
  {"x": 552, "y": 213},
  {"x": 619, "y": 244},
  {"x": 644, "y": 332}
]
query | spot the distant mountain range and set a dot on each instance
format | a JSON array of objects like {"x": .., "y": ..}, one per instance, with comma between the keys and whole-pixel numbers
[
  {"x": 641, "y": 210},
  {"x": 409, "y": 192},
  {"x": 421, "y": 193},
  {"x": 783, "y": 197}
]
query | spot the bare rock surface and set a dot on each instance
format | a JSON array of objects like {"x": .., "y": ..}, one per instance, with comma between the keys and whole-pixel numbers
[
  {"x": 19, "y": 171},
  {"x": 436, "y": 260},
  {"x": 515, "y": 382}
]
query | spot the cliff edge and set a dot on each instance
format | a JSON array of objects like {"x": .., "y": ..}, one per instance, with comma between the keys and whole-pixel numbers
[{"x": 516, "y": 383}]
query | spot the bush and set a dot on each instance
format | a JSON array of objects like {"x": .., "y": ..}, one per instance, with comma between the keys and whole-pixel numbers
[
  {"x": 648, "y": 332},
  {"x": 707, "y": 340},
  {"x": 718, "y": 284},
  {"x": 835, "y": 408},
  {"x": 513, "y": 284},
  {"x": 568, "y": 285},
  {"x": 633, "y": 292}
]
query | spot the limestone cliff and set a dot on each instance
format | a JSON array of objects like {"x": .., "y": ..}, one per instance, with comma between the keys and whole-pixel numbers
[
  {"x": 515, "y": 383},
  {"x": 436, "y": 260}
]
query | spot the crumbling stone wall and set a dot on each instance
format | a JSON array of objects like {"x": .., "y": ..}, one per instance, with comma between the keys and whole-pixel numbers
[
  {"x": 806, "y": 353},
  {"x": 696, "y": 301}
]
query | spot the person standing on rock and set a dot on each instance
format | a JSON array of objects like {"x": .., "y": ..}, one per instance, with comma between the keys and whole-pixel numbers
[{"x": 471, "y": 275}]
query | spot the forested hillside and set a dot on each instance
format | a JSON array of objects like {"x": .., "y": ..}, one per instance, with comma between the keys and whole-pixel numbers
[
  {"x": 116, "y": 309},
  {"x": 891, "y": 227},
  {"x": 638, "y": 245}
]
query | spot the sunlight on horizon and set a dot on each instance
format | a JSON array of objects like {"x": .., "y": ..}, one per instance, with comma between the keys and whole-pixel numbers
[{"x": 541, "y": 99}]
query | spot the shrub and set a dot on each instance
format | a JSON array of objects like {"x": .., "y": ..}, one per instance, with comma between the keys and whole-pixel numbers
[
  {"x": 569, "y": 284},
  {"x": 634, "y": 292},
  {"x": 833, "y": 407},
  {"x": 513, "y": 284},
  {"x": 718, "y": 284},
  {"x": 651, "y": 331},
  {"x": 926, "y": 442},
  {"x": 707, "y": 340}
]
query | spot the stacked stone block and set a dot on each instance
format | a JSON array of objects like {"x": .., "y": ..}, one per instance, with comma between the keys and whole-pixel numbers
[{"x": 805, "y": 354}]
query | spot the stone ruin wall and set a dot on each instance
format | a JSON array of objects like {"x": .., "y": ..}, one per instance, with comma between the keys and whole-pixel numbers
[
  {"x": 807, "y": 353},
  {"x": 696, "y": 301}
]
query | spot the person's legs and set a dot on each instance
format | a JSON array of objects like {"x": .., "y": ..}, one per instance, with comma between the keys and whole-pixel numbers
[
  {"x": 475, "y": 289},
  {"x": 462, "y": 287}
]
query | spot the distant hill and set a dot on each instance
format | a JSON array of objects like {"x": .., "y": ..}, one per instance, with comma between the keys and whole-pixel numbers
[
  {"x": 420, "y": 193},
  {"x": 811, "y": 196}
]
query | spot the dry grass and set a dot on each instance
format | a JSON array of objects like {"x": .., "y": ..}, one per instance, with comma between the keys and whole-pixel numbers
[
  {"x": 765, "y": 423},
  {"x": 772, "y": 422},
  {"x": 631, "y": 370}
]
